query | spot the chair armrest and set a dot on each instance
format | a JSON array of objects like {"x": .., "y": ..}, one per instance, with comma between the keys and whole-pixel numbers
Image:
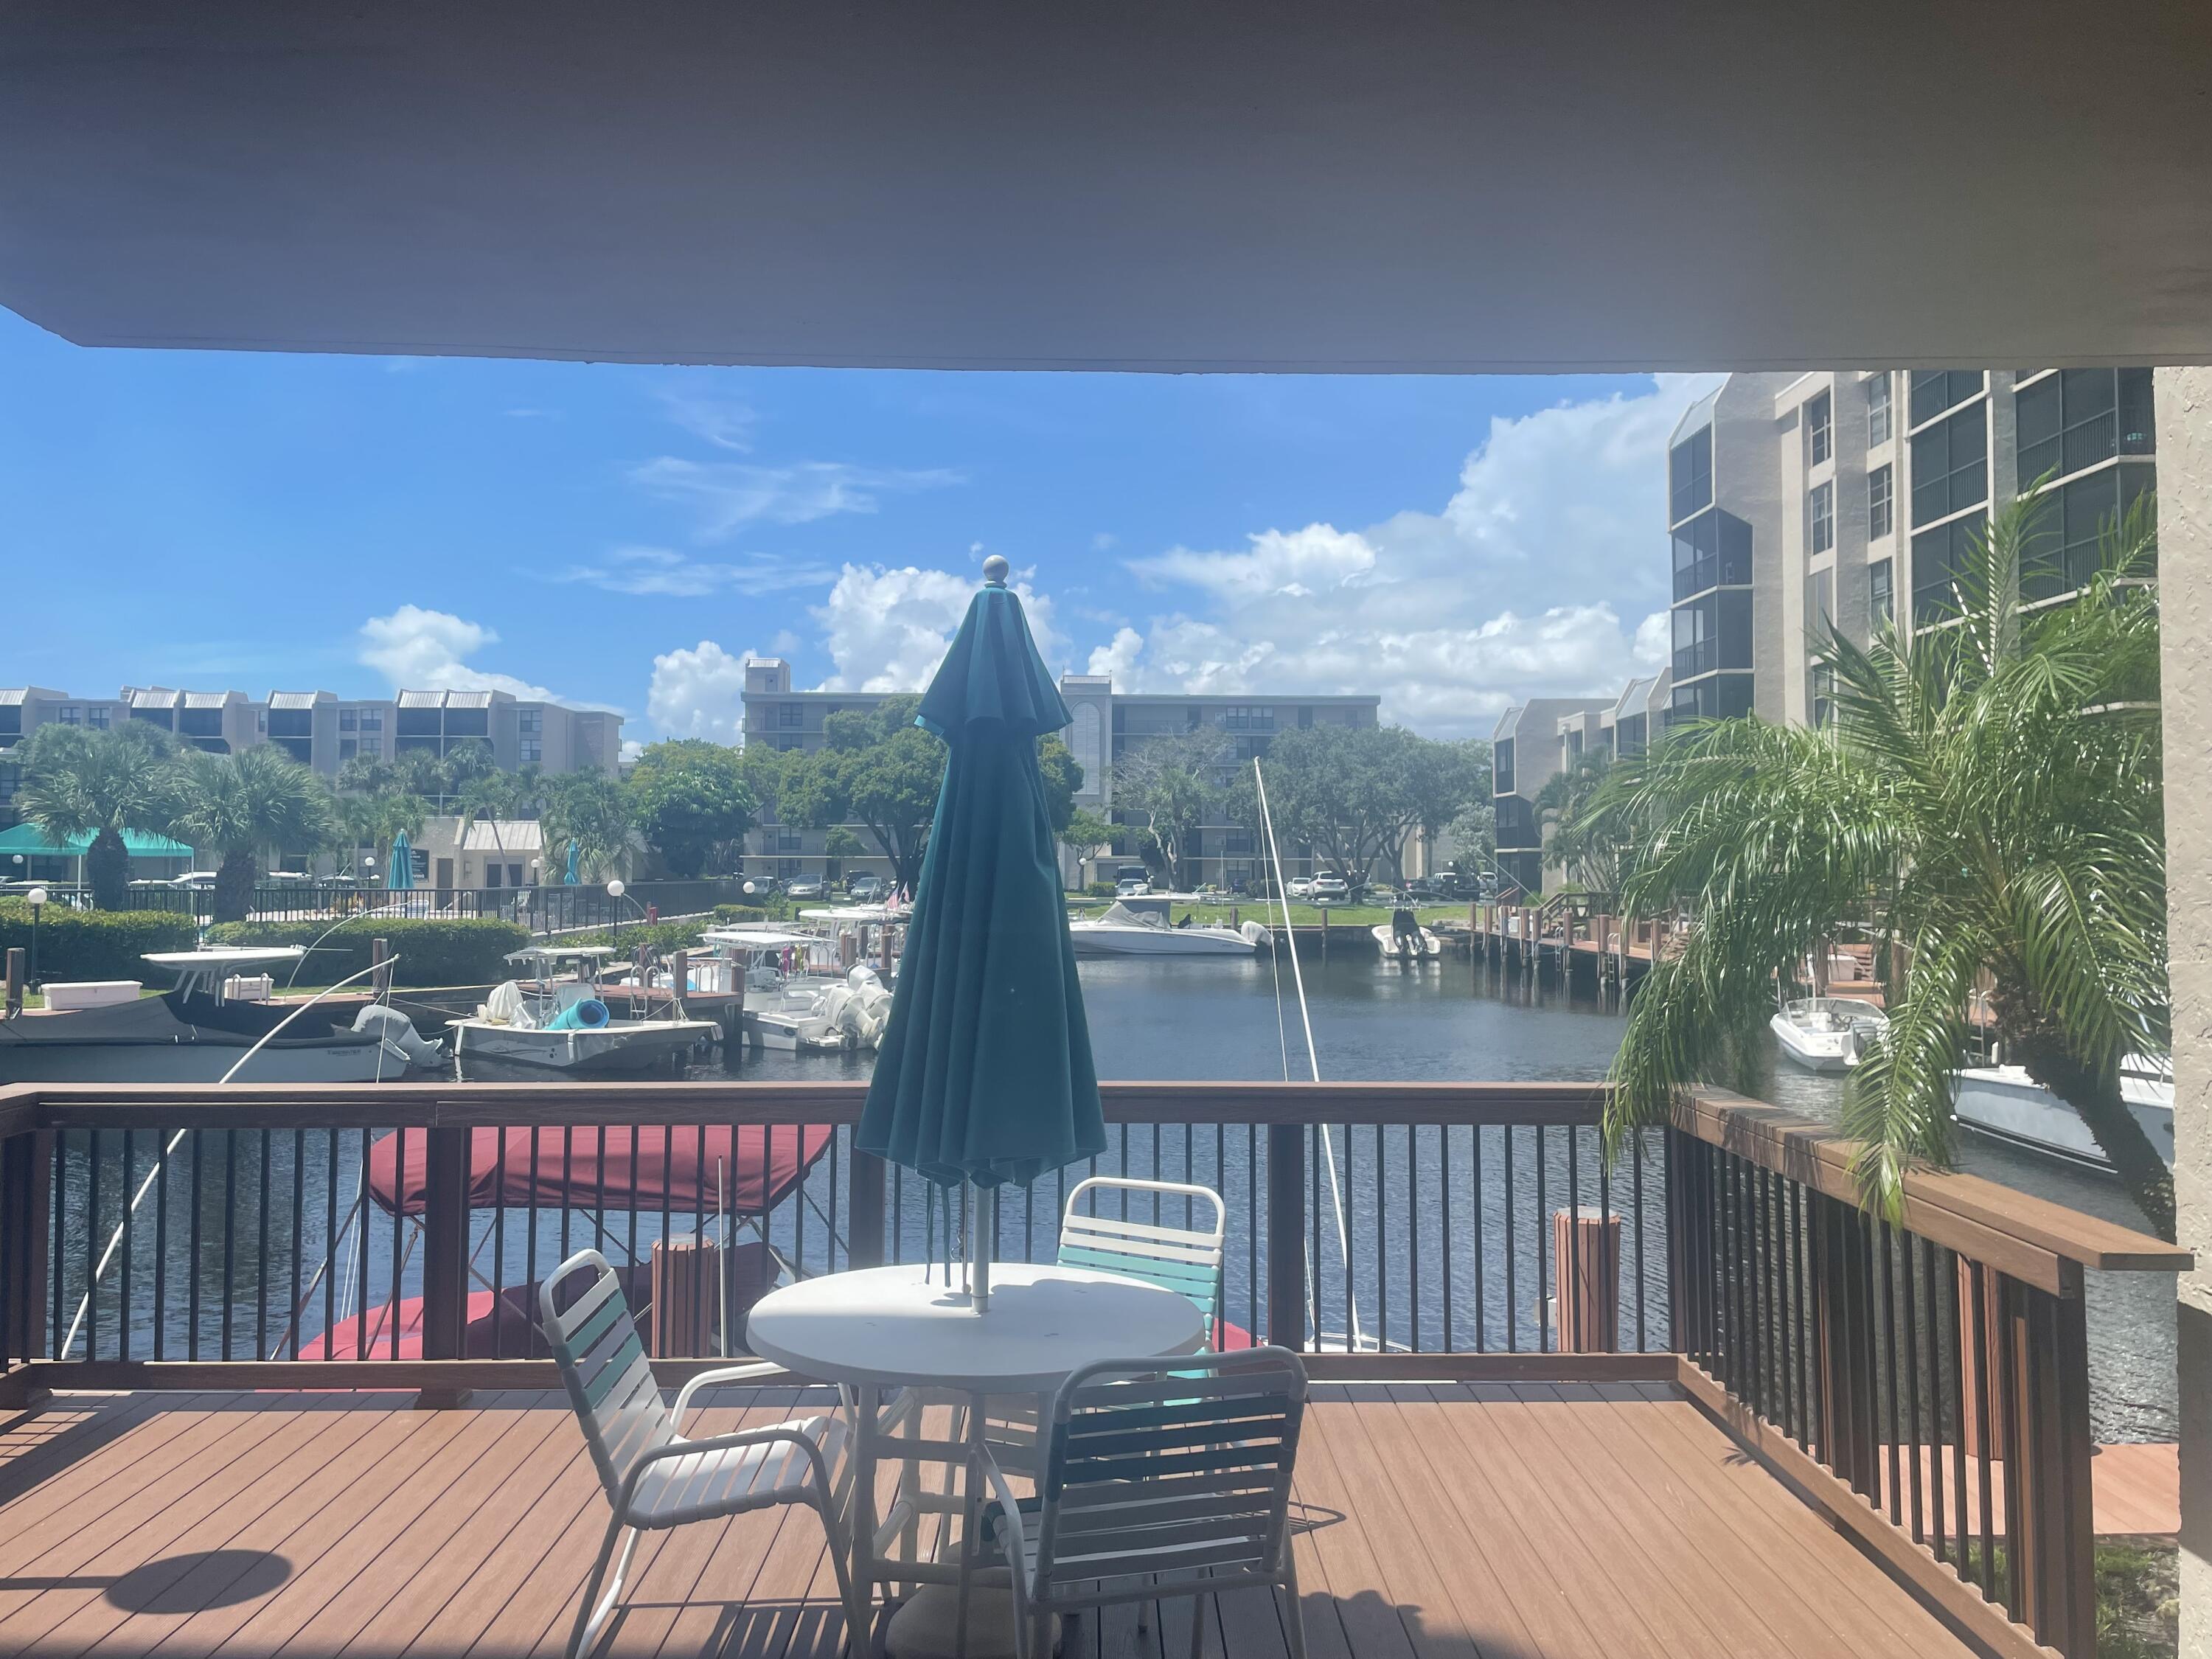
[
  {"x": 717, "y": 1378},
  {"x": 1016, "y": 1535},
  {"x": 727, "y": 1442}
]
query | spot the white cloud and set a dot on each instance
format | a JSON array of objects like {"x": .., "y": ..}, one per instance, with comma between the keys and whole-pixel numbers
[
  {"x": 631, "y": 749},
  {"x": 784, "y": 643},
  {"x": 724, "y": 422},
  {"x": 727, "y": 496},
  {"x": 698, "y": 693},
  {"x": 420, "y": 650},
  {"x": 1515, "y": 589},
  {"x": 660, "y": 571},
  {"x": 886, "y": 628}
]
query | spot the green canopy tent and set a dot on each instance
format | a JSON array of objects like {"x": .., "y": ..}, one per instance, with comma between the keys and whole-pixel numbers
[
  {"x": 27, "y": 842},
  {"x": 984, "y": 1074}
]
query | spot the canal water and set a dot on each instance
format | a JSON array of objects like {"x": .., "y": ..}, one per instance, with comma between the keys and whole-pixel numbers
[{"x": 1459, "y": 1021}]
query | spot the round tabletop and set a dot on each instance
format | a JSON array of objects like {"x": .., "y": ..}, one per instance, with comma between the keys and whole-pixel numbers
[{"x": 888, "y": 1326}]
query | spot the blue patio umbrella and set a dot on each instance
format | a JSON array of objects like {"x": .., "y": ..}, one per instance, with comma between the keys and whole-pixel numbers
[
  {"x": 984, "y": 1072},
  {"x": 572, "y": 879},
  {"x": 401, "y": 875}
]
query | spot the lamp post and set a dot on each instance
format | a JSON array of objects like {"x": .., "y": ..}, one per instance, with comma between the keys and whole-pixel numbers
[
  {"x": 37, "y": 896},
  {"x": 615, "y": 890}
]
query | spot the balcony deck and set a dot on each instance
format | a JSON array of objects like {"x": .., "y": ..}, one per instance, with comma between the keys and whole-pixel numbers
[{"x": 1484, "y": 1521}]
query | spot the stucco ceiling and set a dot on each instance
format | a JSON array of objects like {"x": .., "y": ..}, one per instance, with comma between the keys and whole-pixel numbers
[{"x": 1570, "y": 184}]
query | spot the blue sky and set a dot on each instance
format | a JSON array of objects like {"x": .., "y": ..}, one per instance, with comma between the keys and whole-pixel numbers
[{"x": 624, "y": 536}]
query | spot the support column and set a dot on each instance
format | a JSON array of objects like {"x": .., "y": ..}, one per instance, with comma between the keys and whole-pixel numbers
[{"x": 2184, "y": 564}]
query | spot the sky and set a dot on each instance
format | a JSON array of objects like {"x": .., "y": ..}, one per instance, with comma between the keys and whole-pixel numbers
[{"x": 624, "y": 536}]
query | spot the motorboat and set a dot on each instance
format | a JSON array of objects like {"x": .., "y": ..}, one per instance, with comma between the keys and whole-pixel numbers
[
  {"x": 222, "y": 1010},
  {"x": 549, "y": 1015},
  {"x": 813, "y": 1015},
  {"x": 1827, "y": 1034},
  {"x": 2006, "y": 1104},
  {"x": 1426, "y": 948},
  {"x": 1123, "y": 931}
]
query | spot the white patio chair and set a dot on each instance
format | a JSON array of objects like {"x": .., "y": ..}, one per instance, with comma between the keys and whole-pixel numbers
[
  {"x": 1160, "y": 1482},
  {"x": 654, "y": 1477},
  {"x": 1188, "y": 1260}
]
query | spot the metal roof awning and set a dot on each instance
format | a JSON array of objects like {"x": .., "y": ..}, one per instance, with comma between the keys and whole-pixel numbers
[{"x": 31, "y": 841}]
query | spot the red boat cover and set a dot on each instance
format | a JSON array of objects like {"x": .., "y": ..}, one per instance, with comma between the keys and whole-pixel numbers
[{"x": 747, "y": 1170}]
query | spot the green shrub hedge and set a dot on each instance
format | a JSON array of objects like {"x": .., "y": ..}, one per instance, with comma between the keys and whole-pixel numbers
[
  {"x": 724, "y": 915},
  {"x": 461, "y": 950},
  {"x": 96, "y": 943}
]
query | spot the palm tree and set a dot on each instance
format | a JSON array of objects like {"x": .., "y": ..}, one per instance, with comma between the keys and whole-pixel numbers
[
  {"x": 372, "y": 820},
  {"x": 1580, "y": 845},
  {"x": 1987, "y": 803},
  {"x": 77, "y": 781},
  {"x": 592, "y": 809},
  {"x": 237, "y": 805}
]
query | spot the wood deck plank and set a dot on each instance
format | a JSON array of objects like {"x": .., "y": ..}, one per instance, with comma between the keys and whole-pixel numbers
[
  {"x": 120, "y": 1445},
  {"x": 1441, "y": 1522}
]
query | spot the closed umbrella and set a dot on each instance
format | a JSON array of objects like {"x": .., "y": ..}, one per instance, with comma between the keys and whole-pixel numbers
[
  {"x": 984, "y": 1073},
  {"x": 401, "y": 875},
  {"x": 572, "y": 879}
]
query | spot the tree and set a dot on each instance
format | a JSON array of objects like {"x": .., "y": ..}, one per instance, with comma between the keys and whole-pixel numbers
[
  {"x": 1166, "y": 788},
  {"x": 1586, "y": 847},
  {"x": 236, "y": 805},
  {"x": 1987, "y": 800},
  {"x": 1062, "y": 779},
  {"x": 839, "y": 845},
  {"x": 593, "y": 811},
  {"x": 877, "y": 769},
  {"x": 372, "y": 821},
  {"x": 1085, "y": 833},
  {"x": 1357, "y": 793},
  {"x": 692, "y": 802},
  {"x": 78, "y": 782}
]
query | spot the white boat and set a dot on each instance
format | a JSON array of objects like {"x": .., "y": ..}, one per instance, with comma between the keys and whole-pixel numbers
[
  {"x": 797, "y": 997},
  {"x": 549, "y": 1015},
  {"x": 2004, "y": 1102},
  {"x": 1430, "y": 948},
  {"x": 105, "y": 1031},
  {"x": 1827, "y": 1034},
  {"x": 1125, "y": 932}
]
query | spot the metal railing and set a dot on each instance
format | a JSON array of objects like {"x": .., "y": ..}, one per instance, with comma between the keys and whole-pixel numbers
[
  {"x": 547, "y": 909},
  {"x": 1926, "y": 1381}
]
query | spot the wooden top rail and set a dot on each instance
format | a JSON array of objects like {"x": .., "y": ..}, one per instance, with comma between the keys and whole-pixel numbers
[
  {"x": 435, "y": 1105},
  {"x": 2030, "y": 1238}
]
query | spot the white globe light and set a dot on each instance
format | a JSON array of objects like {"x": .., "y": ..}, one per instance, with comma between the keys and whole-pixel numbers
[
  {"x": 749, "y": 887},
  {"x": 615, "y": 889},
  {"x": 37, "y": 895}
]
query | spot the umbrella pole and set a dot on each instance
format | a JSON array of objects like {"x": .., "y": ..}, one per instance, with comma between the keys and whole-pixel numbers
[{"x": 983, "y": 1232}]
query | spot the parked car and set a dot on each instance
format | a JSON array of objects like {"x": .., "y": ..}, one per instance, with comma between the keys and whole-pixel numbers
[
  {"x": 806, "y": 887},
  {"x": 1329, "y": 890},
  {"x": 1300, "y": 887},
  {"x": 1131, "y": 887},
  {"x": 868, "y": 890}
]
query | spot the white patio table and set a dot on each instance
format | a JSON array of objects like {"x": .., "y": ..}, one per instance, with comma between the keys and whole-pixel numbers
[{"x": 885, "y": 1328}]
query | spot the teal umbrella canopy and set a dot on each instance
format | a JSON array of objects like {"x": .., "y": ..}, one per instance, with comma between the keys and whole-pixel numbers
[
  {"x": 401, "y": 875},
  {"x": 572, "y": 879},
  {"x": 984, "y": 1072}
]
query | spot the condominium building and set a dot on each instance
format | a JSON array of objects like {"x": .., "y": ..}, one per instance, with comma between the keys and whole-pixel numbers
[
  {"x": 323, "y": 730},
  {"x": 1850, "y": 497},
  {"x": 1535, "y": 741},
  {"x": 1104, "y": 726}
]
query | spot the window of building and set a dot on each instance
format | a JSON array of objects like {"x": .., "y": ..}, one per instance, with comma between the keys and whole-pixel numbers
[
  {"x": 1501, "y": 767},
  {"x": 1628, "y": 736},
  {"x": 1193, "y": 718},
  {"x": 1823, "y": 695},
  {"x": 491, "y": 875},
  {"x": 1821, "y": 601},
  {"x": 790, "y": 741},
  {"x": 2138, "y": 427},
  {"x": 348, "y": 747},
  {"x": 372, "y": 719},
  {"x": 786, "y": 841},
  {"x": 468, "y": 722},
  {"x": 788, "y": 869},
  {"x": 1252, "y": 748},
  {"x": 530, "y": 722},
  {"x": 2078, "y": 417},
  {"x": 291, "y": 722},
  {"x": 1950, "y": 467},
  {"x": 1880, "y": 503},
  {"x": 348, "y": 719},
  {"x": 96, "y": 717},
  {"x": 1712, "y": 550},
  {"x": 1821, "y": 427},
  {"x": 1237, "y": 838},
  {"x": 373, "y": 747},
  {"x": 1248, "y": 719},
  {"x": 301, "y": 749},
  {"x": 11, "y": 723},
  {"x": 1722, "y": 696},
  {"x": 529, "y": 751},
  {"x": 418, "y": 723},
  {"x": 200, "y": 722},
  {"x": 1820, "y": 509},
  {"x": 2064, "y": 545},
  {"x": 1878, "y": 600},
  {"x": 1935, "y": 390},
  {"x": 402, "y": 743},
  {"x": 790, "y": 715},
  {"x": 1937, "y": 554},
  {"x": 164, "y": 718},
  {"x": 1690, "y": 475},
  {"x": 1877, "y": 402},
  {"x": 1305, "y": 717},
  {"x": 1712, "y": 632}
]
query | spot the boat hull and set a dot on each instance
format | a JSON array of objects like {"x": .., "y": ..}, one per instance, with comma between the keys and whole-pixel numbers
[
  {"x": 1431, "y": 948},
  {"x": 613, "y": 1048},
  {"x": 1094, "y": 941},
  {"x": 2005, "y": 1103},
  {"x": 1824, "y": 1053}
]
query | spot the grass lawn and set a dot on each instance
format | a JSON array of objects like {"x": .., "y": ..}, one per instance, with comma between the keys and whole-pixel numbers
[{"x": 1301, "y": 916}]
